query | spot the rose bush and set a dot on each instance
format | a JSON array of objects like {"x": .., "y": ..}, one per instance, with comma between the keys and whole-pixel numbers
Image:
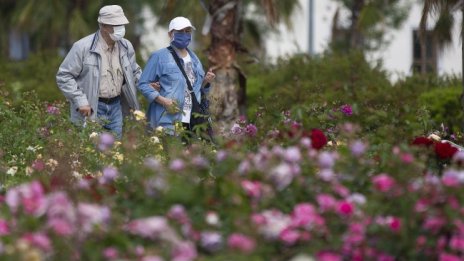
[{"x": 269, "y": 190}]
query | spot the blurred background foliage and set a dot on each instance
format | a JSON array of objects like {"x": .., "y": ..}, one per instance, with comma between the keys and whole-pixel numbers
[{"x": 308, "y": 84}]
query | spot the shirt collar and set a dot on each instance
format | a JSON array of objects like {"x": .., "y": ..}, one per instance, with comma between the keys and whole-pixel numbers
[{"x": 102, "y": 43}]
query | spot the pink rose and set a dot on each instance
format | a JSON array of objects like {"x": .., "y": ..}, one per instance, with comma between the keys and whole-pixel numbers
[
  {"x": 241, "y": 242},
  {"x": 383, "y": 182}
]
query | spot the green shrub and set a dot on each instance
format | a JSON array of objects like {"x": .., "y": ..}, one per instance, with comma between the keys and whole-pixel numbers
[
  {"x": 444, "y": 107},
  {"x": 34, "y": 74}
]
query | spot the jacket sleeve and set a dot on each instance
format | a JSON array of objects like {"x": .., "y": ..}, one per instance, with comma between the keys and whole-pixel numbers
[
  {"x": 150, "y": 74},
  {"x": 136, "y": 69},
  {"x": 67, "y": 74}
]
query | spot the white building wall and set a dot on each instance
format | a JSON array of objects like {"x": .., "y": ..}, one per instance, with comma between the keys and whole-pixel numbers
[{"x": 396, "y": 57}]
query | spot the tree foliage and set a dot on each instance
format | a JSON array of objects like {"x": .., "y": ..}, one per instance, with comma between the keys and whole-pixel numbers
[{"x": 367, "y": 22}]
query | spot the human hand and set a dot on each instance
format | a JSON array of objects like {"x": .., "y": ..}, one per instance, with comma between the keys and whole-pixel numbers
[
  {"x": 170, "y": 105},
  {"x": 209, "y": 76},
  {"x": 156, "y": 86},
  {"x": 85, "y": 110}
]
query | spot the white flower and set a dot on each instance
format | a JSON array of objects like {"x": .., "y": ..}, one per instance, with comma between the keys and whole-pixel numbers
[
  {"x": 139, "y": 115},
  {"x": 212, "y": 218},
  {"x": 29, "y": 170},
  {"x": 76, "y": 174},
  {"x": 154, "y": 140},
  {"x": 159, "y": 129},
  {"x": 93, "y": 135},
  {"x": 33, "y": 149},
  {"x": 12, "y": 171},
  {"x": 118, "y": 156},
  {"x": 434, "y": 137}
]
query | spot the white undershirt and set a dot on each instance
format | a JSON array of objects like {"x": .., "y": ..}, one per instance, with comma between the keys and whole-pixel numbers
[{"x": 187, "y": 109}]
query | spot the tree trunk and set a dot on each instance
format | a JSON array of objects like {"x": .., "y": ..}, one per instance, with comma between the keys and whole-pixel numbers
[
  {"x": 356, "y": 41},
  {"x": 225, "y": 38}
]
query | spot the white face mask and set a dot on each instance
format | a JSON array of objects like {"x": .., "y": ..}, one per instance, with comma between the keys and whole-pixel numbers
[{"x": 118, "y": 33}]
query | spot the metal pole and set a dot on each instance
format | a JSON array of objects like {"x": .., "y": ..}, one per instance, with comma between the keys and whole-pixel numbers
[{"x": 311, "y": 28}]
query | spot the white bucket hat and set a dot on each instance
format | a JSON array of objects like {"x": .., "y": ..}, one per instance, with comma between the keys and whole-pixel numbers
[
  {"x": 180, "y": 23},
  {"x": 112, "y": 15}
]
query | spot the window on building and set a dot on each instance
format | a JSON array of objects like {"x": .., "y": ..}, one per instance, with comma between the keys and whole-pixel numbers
[{"x": 430, "y": 62}]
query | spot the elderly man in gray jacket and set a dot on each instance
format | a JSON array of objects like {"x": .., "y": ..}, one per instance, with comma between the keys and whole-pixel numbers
[{"x": 99, "y": 74}]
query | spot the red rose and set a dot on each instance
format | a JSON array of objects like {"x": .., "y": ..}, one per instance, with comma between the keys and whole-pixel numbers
[
  {"x": 422, "y": 141},
  {"x": 318, "y": 139},
  {"x": 445, "y": 150}
]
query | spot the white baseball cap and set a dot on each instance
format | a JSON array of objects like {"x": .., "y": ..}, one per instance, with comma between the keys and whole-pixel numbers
[
  {"x": 180, "y": 23},
  {"x": 112, "y": 15}
]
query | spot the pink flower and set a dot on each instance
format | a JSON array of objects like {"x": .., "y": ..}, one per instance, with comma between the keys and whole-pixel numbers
[
  {"x": 383, "y": 182},
  {"x": 109, "y": 174},
  {"x": 106, "y": 141},
  {"x": 258, "y": 219},
  {"x": 236, "y": 129},
  {"x": 421, "y": 205},
  {"x": 305, "y": 214},
  {"x": 151, "y": 227},
  {"x": 292, "y": 154},
  {"x": 328, "y": 256},
  {"x": 385, "y": 257},
  {"x": 221, "y": 155},
  {"x": 341, "y": 190},
  {"x": 39, "y": 240},
  {"x": 450, "y": 178},
  {"x": 394, "y": 223},
  {"x": 358, "y": 148},
  {"x": 421, "y": 241},
  {"x": 282, "y": 176},
  {"x": 457, "y": 243},
  {"x": 177, "y": 212},
  {"x": 30, "y": 196},
  {"x": 91, "y": 215},
  {"x": 326, "y": 159},
  {"x": 346, "y": 109},
  {"x": 4, "y": 227},
  {"x": 345, "y": 208},
  {"x": 60, "y": 226},
  {"x": 289, "y": 236},
  {"x": 241, "y": 242},
  {"x": 151, "y": 258},
  {"x": 184, "y": 251},
  {"x": 449, "y": 257},
  {"x": 38, "y": 165},
  {"x": 326, "y": 202},
  {"x": 434, "y": 223},
  {"x": 177, "y": 165},
  {"x": 211, "y": 241},
  {"x": 252, "y": 188},
  {"x": 110, "y": 253},
  {"x": 407, "y": 158},
  {"x": 53, "y": 110},
  {"x": 251, "y": 130}
]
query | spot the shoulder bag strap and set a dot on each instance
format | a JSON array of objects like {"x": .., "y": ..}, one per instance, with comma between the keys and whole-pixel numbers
[{"x": 176, "y": 58}]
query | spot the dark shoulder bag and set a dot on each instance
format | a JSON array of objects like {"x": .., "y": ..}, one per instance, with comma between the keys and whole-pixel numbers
[{"x": 200, "y": 111}]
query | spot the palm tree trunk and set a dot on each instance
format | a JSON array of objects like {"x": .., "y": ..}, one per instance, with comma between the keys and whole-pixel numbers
[
  {"x": 355, "y": 33},
  {"x": 225, "y": 33}
]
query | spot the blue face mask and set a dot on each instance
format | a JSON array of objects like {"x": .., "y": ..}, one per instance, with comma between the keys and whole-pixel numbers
[{"x": 181, "y": 40}]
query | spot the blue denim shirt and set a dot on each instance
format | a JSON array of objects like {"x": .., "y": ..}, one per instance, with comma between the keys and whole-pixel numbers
[{"x": 162, "y": 67}]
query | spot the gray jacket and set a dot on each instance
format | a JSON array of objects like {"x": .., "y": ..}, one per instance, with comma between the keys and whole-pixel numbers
[{"x": 79, "y": 76}]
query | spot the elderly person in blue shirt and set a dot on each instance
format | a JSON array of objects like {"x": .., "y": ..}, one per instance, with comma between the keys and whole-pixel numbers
[
  {"x": 172, "y": 101},
  {"x": 99, "y": 74}
]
